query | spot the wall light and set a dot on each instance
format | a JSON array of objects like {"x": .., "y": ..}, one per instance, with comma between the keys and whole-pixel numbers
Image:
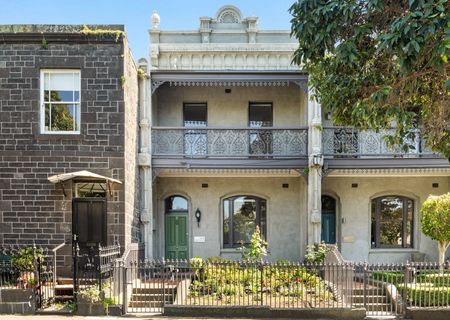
[{"x": 198, "y": 216}]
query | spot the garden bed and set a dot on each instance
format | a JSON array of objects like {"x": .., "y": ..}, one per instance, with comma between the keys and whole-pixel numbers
[{"x": 277, "y": 286}]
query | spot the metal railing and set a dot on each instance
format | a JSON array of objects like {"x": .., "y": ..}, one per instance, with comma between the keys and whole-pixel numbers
[
  {"x": 29, "y": 267},
  {"x": 150, "y": 286},
  {"x": 233, "y": 143},
  {"x": 93, "y": 267},
  {"x": 347, "y": 142}
]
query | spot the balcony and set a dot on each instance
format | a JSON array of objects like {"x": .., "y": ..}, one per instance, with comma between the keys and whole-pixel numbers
[
  {"x": 230, "y": 143},
  {"x": 346, "y": 142}
]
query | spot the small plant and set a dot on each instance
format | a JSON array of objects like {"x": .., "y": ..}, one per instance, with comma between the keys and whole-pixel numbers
[
  {"x": 256, "y": 249},
  {"x": 90, "y": 295},
  {"x": 122, "y": 81},
  {"x": 316, "y": 253},
  {"x": 117, "y": 33},
  {"x": 44, "y": 44},
  {"x": 71, "y": 306},
  {"x": 141, "y": 74},
  {"x": 108, "y": 301}
]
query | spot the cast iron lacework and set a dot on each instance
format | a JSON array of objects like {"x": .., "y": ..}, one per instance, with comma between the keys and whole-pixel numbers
[
  {"x": 229, "y": 142},
  {"x": 340, "y": 141}
]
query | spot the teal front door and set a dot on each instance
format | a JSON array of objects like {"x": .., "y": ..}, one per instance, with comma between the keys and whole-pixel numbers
[
  {"x": 328, "y": 227},
  {"x": 176, "y": 236},
  {"x": 328, "y": 231}
]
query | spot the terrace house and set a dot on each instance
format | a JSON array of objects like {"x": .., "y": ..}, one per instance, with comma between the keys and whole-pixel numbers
[{"x": 230, "y": 139}]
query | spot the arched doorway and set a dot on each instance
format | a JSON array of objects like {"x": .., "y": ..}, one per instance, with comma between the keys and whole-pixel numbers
[
  {"x": 328, "y": 234},
  {"x": 176, "y": 227}
]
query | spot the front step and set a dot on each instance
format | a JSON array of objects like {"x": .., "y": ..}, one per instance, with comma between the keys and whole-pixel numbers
[
  {"x": 152, "y": 296},
  {"x": 63, "y": 292},
  {"x": 377, "y": 307},
  {"x": 369, "y": 299}
]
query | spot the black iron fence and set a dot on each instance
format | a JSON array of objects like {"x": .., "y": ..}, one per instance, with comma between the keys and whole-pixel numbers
[
  {"x": 149, "y": 286},
  {"x": 152, "y": 285},
  {"x": 29, "y": 267},
  {"x": 93, "y": 267}
]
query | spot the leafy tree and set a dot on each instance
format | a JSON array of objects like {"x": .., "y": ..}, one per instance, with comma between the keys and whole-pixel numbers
[
  {"x": 436, "y": 222},
  {"x": 379, "y": 63}
]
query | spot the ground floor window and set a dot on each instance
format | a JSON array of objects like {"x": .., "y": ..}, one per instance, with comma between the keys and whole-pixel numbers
[
  {"x": 241, "y": 215},
  {"x": 392, "y": 222}
]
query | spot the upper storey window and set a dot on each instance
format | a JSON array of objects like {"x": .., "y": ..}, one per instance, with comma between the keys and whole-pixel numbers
[{"x": 60, "y": 101}]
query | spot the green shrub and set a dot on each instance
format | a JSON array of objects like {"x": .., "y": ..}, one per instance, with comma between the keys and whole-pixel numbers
[
  {"x": 425, "y": 295},
  {"x": 24, "y": 259},
  {"x": 390, "y": 277},
  {"x": 437, "y": 279}
]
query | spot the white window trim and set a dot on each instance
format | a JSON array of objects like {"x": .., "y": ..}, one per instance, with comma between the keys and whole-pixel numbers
[{"x": 42, "y": 103}]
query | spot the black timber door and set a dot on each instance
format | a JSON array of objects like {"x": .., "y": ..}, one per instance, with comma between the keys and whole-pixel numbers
[{"x": 89, "y": 221}]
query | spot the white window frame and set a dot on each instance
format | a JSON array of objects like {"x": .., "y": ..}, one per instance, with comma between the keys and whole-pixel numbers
[{"x": 42, "y": 102}]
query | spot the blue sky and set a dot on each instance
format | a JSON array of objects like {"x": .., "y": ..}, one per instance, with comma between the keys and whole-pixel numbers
[{"x": 135, "y": 14}]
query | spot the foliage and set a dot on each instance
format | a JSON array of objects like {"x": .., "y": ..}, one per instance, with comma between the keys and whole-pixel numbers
[
  {"x": 141, "y": 74},
  {"x": 374, "y": 64},
  {"x": 426, "y": 295},
  {"x": 71, "y": 306},
  {"x": 108, "y": 301},
  {"x": 116, "y": 33},
  {"x": 90, "y": 294},
  {"x": 390, "y": 277},
  {"x": 256, "y": 249},
  {"x": 44, "y": 44},
  {"x": 315, "y": 253},
  {"x": 437, "y": 279},
  {"x": 227, "y": 280},
  {"x": 435, "y": 220},
  {"x": 25, "y": 258},
  {"x": 196, "y": 262}
]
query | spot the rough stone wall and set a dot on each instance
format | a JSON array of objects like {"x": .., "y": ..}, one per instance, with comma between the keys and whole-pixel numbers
[
  {"x": 132, "y": 232},
  {"x": 31, "y": 208}
]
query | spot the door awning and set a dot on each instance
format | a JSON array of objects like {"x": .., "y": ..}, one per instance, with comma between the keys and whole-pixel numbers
[{"x": 84, "y": 174}]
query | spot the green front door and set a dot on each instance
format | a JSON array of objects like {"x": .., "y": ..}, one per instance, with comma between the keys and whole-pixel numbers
[{"x": 176, "y": 231}]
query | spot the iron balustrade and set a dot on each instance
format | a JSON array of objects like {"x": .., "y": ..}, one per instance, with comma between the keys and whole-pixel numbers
[
  {"x": 347, "y": 142},
  {"x": 232, "y": 143}
]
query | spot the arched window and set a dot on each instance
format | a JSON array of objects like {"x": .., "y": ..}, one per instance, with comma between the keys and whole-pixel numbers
[
  {"x": 241, "y": 215},
  {"x": 176, "y": 204},
  {"x": 392, "y": 222}
]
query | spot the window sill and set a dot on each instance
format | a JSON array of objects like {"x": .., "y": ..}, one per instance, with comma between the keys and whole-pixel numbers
[
  {"x": 230, "y": 250},
  {"x": 393, "y": 250},
  {"x": 58, "y": 136}
]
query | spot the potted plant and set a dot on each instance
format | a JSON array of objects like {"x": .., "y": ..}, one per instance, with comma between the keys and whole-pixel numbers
[{"x": 90, "y": 302}]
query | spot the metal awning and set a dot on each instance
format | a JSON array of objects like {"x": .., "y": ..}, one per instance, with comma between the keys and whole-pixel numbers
[{"x": 84, "y": 174}]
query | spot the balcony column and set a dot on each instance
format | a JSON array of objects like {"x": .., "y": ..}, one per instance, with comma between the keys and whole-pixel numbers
[
  {"x": 315, "y": 163},
  {"x": 144, "y": 159}
]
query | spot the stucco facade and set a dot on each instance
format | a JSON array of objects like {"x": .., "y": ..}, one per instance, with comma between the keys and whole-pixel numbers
[
  {"x": 286, "y": 208},
  {"x": 354, "y": 212},
  {"x": 226, "y": 65}
]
